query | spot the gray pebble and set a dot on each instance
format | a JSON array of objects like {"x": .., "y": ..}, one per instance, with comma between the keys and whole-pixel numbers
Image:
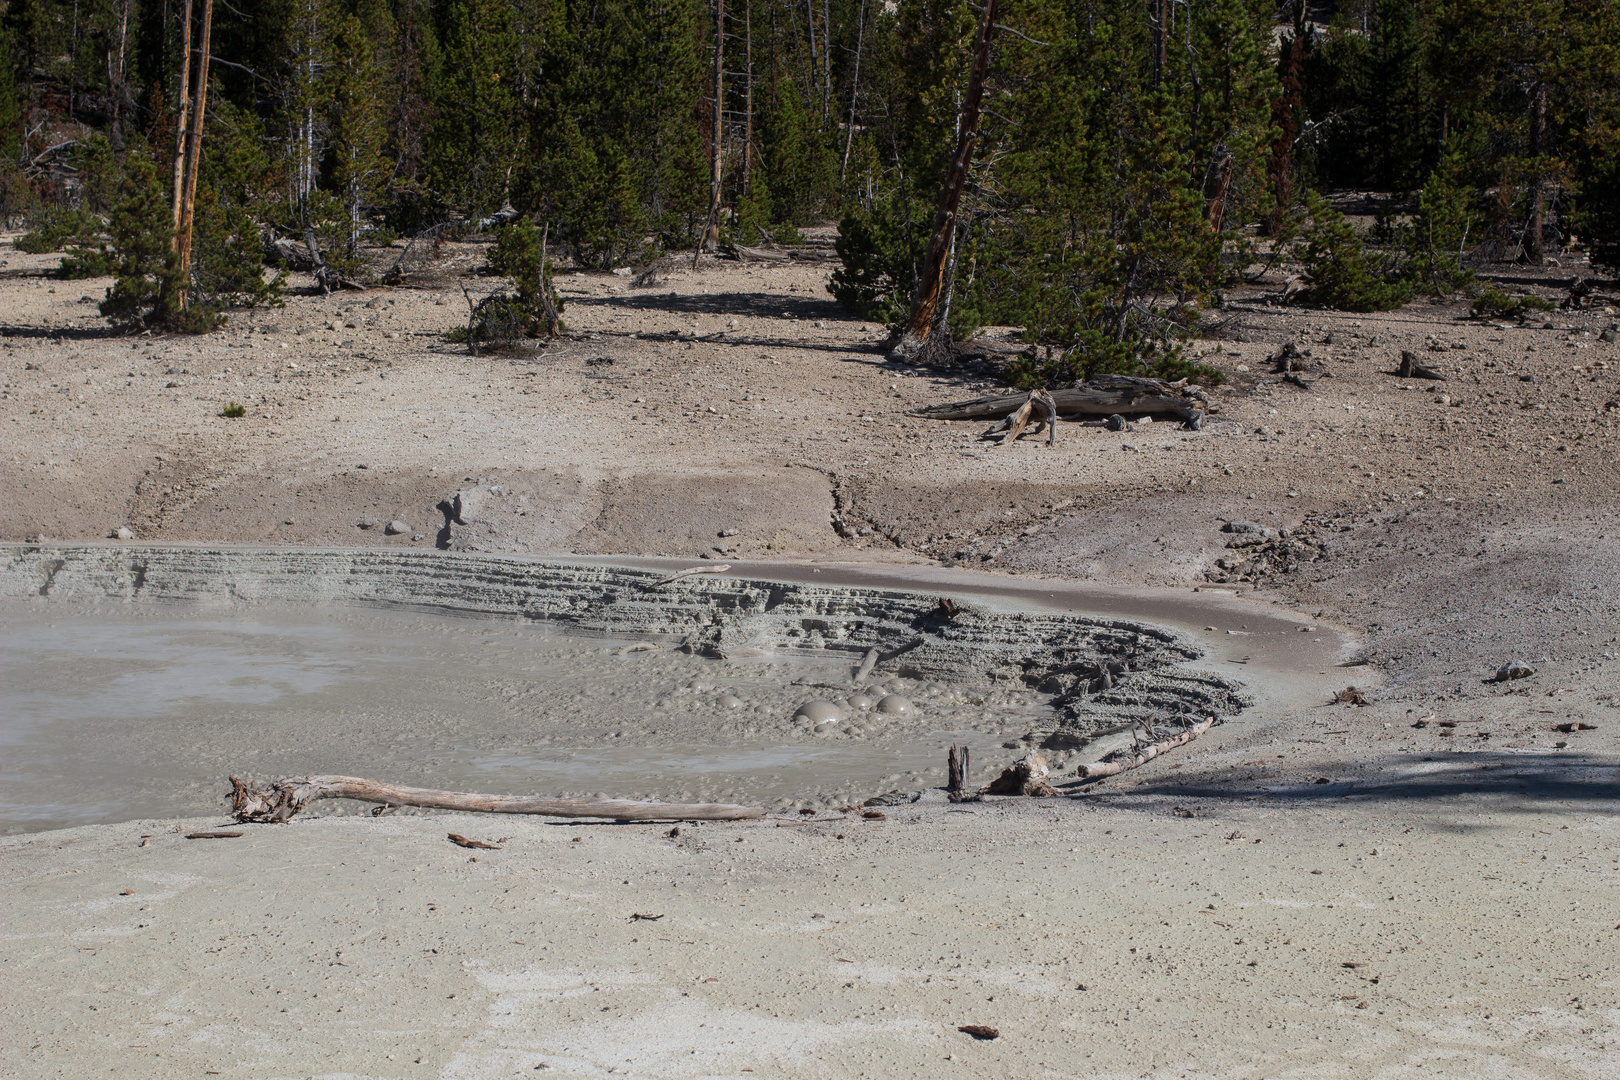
[{"x": 394, "y": 528}]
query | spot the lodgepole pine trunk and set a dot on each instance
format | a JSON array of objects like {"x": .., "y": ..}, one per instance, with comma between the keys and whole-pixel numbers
[
  {"x": 199, "y": 106},
  {"x": 854, "y": 93},
  {"x": 181, "y": 123},
  {"x": 931, "y": 286},
  {"x": 711, "y": 227},
  {"x": 748, "y": 103},
  {"x": 1534, "y": 250}
]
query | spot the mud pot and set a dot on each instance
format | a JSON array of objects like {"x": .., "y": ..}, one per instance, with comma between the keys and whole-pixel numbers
[{"x": 138, "y": 678}]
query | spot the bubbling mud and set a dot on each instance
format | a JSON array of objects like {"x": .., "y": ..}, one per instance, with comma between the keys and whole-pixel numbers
[{"x": 138, "y": 678}]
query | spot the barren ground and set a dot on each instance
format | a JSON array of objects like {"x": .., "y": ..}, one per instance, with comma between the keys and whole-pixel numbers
[{"x": 1447, "y": 904}]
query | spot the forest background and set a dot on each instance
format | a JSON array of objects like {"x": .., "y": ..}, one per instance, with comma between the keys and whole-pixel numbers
[{"x": 1116, "y": 164}]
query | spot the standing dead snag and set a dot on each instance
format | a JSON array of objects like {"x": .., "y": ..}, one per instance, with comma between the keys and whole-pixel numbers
[
  {"x": 193, "y": 156},
  {"x": 931, "y": 286},
  {"x": 957, "y": 770},
  {"x": 281, "y": 800}
]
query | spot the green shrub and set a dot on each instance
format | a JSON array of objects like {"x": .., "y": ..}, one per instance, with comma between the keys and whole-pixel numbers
[
  {"x": 233, "y": 411},
  {"x": 517, "y": 254},
  {"x": 1342, "y": 273},
  {"x": 58, "y": 228},
  {"x": 1495, "y": 302}
]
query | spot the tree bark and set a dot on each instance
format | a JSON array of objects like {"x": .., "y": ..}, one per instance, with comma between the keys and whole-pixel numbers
[
  {"x": 854, "y": 93},
  {"x": 711, "y": 227},
  {"x": 182, "y": 122},
  {"x": 931, "y": 285},
  {"x": 746, "y": 188},
  {"x": 281, "y": 800},
  {"x": 199, "y": 105},
  {"x": 1103, "y": 397}
]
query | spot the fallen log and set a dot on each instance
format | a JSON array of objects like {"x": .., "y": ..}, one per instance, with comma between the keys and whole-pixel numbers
[
  {"x": 1026, "y": 776},
  {"x": 1099, "y": 769},
  {"x": 1100, "y": 397},
  {"x": 743, "y": 254},
  {"x": 282, "y": 799}
]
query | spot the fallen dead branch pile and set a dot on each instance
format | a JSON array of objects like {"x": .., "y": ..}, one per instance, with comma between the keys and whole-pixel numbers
[
  {"x": 281, "y": 800},
  {"x": 1103, "y": 396}
]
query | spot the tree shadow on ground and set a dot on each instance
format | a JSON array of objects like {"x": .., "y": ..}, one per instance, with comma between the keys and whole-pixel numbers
[
  {"x": 1568, "y": 777},
  {"x": 755, "y": 305}
]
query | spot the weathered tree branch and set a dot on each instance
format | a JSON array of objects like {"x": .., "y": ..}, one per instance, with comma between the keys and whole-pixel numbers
[{"x": 282, "y": 799}]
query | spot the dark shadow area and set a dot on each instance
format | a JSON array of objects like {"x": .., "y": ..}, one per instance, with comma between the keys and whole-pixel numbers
[
  {"x": 756, "y": 305},
  {"x": 71, "y": 333},
  {"x": 1566, "y": 777}
]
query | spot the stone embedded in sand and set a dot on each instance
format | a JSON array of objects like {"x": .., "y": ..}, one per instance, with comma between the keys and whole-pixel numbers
[
  {"x": 395, "y": 527},
  {"x": 729, "y": 701},
  {"x": 1515, "y": 669},
  {"x": 123, "y": 532},
  {"x": 862, "y": 701},
  {"x": 895, "y": 705},
  {"x": 366, "y": 523},
  {"x": 818, "y": 711}
]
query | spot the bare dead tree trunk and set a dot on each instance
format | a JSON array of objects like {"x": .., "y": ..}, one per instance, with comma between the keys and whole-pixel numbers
[
  {"x": 1161, "y": 35},
  {"x": 748, "y": 101},
  {"x": 1538, "y": 186},
  {"x": 711, "y": 227},
  {"x": 181, "y": 124},
  {"x": 199, "y": 106},
  {"x": 930, "y": 286},
  {"x": 854, "y": 93},
  {"x": 1285, "y": 112}
]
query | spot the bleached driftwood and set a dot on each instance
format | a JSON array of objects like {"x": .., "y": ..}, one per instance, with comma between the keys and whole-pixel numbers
[
  {"x": 284, "y": 798},
  {"x": 1098, "y": 769}
]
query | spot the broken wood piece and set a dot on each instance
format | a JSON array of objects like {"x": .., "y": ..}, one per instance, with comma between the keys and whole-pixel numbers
[
  {"x": 677, "y": 575},
  {"x": 980, "y": 1031},
  {"x": 282, "y": 799},
  {"x": 1350, "y": 696},
  {"x": 461, "y": 841},
  {"x": 957, "y": 770},
  {"x": 639, "y": 917},
  {"x": 1114, "y": 768},
  {"x": 1026, "y": 776},
  {"x": 867, "y": 664},
  {"x": 1411, "y": 369},
  {"x": 213, "y": 834},
  {"x": 1016, "y": 422},
  {"x": 743, "y": 254}
]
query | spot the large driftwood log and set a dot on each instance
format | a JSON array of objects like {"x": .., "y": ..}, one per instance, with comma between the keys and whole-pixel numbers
[
  {"x": 284, "y": 798},
  {"x": 1098, "y": 769},
  {"x": 1099, "y": 397}
]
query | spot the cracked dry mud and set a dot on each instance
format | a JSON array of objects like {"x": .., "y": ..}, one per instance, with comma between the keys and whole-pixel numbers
[{"x": 1420, "y": 886}]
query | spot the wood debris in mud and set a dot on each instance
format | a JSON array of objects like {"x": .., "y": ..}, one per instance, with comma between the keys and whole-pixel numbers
[
  {"x": 462, "y": 841},
  {"x": 689, "y": 572},
  {"x": 1026, "y": 776},
  {"x": 278, "y": 801}
]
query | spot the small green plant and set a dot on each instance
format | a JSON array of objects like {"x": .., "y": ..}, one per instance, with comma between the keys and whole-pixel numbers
[
  {"x": 58, "y": 228},
  {"x": 233, "y": 411},
  {"x": 1343, "y": 273},
  {"x": 1493, "y": 302},
  {"x": 518, "y": 253}
]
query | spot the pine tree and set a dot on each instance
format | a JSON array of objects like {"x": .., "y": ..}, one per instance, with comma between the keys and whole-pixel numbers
[
  {"x": 147, "y": 291},
  {"x": 357, "y": 132},
  {"x": 476, "y": 136}
]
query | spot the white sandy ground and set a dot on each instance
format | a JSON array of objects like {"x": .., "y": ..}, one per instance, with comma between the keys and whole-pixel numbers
[{"x": 1489, "y": 915}]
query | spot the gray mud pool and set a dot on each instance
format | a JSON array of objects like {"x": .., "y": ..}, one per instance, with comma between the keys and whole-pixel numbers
[{"x": 134, "y": 682}]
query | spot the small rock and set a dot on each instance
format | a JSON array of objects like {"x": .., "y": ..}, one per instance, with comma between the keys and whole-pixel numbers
[
  {"x": 728, "y": 532},
  {"x": 1609, "y": 335},
  {"x": 418, "y": 536},
  {"x": 288, "y": 521},
  {"x": 1515, "y": 669},
  {"x": 37, "y": 538},
  {"x": 1115, "y": 422},
  {"x": 366, "y": 523},
  {"x": 394, "y": 528},
  {"x": 895, "y": 705},
  {"x": 123, "y": 532},
  {"x": 1241, "y": 527}
]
